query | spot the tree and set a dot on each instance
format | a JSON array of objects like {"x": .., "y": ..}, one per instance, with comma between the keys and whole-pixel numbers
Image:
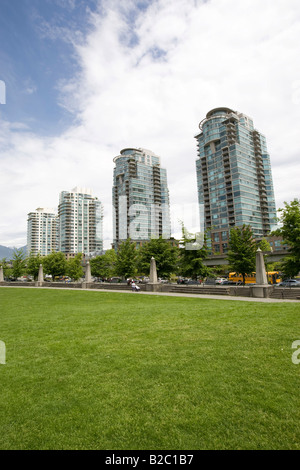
[
  {"x": 165, "y": 254},
  {"x": 242, "y": 251},
  {"x": 290, "y": 233},
  {"x": 18, "y": 263},
  {"x": 74, "y": 267},
  {"x": 191, "y": 257},
  {"x": 55, "y": 264},
  {"x": 265, "y": 246},
  {"x": 33, "y": 265},
  {"x": 126, "y": 259},
  {"x": 104, "y": 265}
]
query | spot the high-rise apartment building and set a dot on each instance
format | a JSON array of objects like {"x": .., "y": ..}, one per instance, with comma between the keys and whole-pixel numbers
[
  {"x": 234, "y": 177},
  {"x": 140, "y": 197},
  {"x": 42, "y": 232},
  {"x": 80, "y": 225}
]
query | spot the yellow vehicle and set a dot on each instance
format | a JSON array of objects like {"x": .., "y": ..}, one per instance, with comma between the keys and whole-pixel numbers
[{"x": 272, "y": 276}]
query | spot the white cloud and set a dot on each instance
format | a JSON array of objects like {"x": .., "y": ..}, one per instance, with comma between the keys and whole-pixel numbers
[{"x": 146, "y": 79}]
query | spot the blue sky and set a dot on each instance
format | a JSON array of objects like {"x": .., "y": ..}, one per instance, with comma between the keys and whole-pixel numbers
[
  {"x": 33, "y": 59},
  {"x": 85, "y": 79}
]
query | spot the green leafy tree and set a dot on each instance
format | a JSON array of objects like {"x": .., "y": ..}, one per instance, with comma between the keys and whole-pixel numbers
[
  {"x": 104, "y": 265},
  {"x": 265, "y": 246},
  {"x": 165, "y": 254},
  {"x": 290, "y": 233},
  {"x": 18, "y": 263},
  {"x": 98, "y": 266},
  {"x": 242, "y": 251},
  {"x": 126, "y": 259},
  {"x": 55, "y": 264},
  {"x": 74, "y": 267},
  {"x": 191, "y": 256},
  {"x": 33, "y": 264}
]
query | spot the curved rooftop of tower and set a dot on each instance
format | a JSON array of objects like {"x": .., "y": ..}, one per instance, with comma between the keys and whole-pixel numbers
[
  {"x": 219, "y": 110},
  {"x": 133, "y": 150},
  {"x": 215, "y": 112}
]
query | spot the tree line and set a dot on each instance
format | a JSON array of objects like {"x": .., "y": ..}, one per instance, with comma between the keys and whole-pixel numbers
[
  {"x": 182, "y": 258},
  {"x": 54, "y": 265},
  {"x": 127, "y": 261}
]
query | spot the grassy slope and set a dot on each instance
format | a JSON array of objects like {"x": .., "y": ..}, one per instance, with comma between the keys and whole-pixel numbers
[{"x": 92, "y": 370}]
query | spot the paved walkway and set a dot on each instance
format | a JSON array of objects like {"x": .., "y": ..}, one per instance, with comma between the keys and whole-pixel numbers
[
  {"x": 201, "y": 296},
  {"x": 217, "y": 297},
  {"x": 170, "y": 294}
]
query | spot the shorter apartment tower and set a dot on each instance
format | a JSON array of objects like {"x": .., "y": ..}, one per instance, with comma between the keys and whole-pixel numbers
[
  {"x": 80, "y": 223},
  {"x": 42, "y": 232},
  {"x": 140, "y": 197}
]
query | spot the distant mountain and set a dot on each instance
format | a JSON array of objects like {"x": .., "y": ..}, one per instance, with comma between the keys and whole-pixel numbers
[{"x": 6, "y": 252}]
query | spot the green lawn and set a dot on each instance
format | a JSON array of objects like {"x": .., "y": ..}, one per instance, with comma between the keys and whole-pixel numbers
[{"x": 96, "y": 370}]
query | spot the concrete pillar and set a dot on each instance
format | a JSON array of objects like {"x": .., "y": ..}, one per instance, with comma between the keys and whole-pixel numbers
[
  {"x": 261, "y": 288},
  {"x": 261, "y": 276},
  {"x": 153, "y": 272},
  {"x": 40, "y": 280},
  {"x": 88, "y": 275},
  {"x": 153, "y": 285}
]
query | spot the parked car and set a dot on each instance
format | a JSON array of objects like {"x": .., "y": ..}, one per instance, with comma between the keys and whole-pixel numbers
[
  {"x": 144, "y": 280},
  {"x": 188, "y": 282},
  {"x": 210, "y": 281},
  {"x": 289, "y": 283},
  {"x": 115, "y": 279},
  {"x": 220, "y": 280},
  {"x": 182, "y": 281}
]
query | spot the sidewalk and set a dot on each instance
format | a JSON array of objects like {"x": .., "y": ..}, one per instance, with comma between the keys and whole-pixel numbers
[{"x": 202, "y": 296}]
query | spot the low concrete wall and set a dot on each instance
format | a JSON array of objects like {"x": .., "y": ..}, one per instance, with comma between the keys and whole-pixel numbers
[
  {"x": 251, "y": 291},
  {"x": 292, "y": 293},
  {"x": 17, "y": 284},
  {"x": 41, "y": 284},
  {"x": 70, "y": 285},
  {"x": 110, "y": 286}
]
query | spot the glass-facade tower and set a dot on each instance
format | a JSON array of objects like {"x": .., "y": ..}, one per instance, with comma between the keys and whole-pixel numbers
[
  {"x": 234, "y": 177},
  {"x": 80, "y": 223},
  {"x": 141, "y": 209}
]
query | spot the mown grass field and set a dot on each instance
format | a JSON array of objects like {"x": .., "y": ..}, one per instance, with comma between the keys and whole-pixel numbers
[{"x": 96, "y": 370}]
